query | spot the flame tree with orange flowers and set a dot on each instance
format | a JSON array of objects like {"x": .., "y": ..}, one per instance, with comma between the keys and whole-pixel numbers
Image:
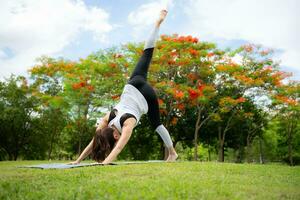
[{"x": 286, "y": 101}]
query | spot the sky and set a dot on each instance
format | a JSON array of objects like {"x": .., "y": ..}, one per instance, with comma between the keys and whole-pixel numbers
[{"x": 74, "y": 29}]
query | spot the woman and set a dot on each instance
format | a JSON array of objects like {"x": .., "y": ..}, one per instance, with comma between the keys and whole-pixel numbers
[{"x": 138, "y": 98}]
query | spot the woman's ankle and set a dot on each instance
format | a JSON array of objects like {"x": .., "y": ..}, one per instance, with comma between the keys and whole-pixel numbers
[{"x": 172, "y": 151}]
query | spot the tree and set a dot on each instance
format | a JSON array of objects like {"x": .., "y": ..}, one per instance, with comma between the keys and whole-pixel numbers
[
  {"x": 18, "y": 113},
  {"x": 184, "y": 79},
  {"x": 287, "y": 101},
  {"x": 237, "y": 82}
]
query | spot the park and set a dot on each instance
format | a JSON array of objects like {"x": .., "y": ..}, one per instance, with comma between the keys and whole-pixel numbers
[{"x": 169, "y": 116}]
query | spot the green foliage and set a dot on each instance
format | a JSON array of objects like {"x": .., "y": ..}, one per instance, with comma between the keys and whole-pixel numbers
[{"x": 18, "y": 124}]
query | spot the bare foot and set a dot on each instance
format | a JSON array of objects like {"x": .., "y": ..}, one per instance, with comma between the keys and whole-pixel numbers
[
  {"x": 172, "y": 157},
  {"x": 162, "y": 16}
]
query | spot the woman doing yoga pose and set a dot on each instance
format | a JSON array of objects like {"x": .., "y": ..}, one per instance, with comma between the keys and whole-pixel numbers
[{"x": 138, "y": 98}]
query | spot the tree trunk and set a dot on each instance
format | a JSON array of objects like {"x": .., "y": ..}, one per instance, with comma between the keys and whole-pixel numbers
[
  {"x": 196, "y": 144},
  {"x": 249, "y": 150},
  {"x": 50, "y": 149},
  {"x": 15, "y": 156},
  {"x": 209, "y": 156},
  {"x": 290, "y": 148},
  {"x": 221, "y": 145},
  {"x": 240, "y": 155},
  {"x": 261, "y": 156},
  {"x": 79, "y": 130},
  {"x": 16, "y": 151},
  {"x": 10, "y": 156},
  {"x": 52, "y": 141},
  {"x": 222, "y": 135},
  {"x": 221, "y": 152},
  {"x": 79, "y": 146},
  {"x": 197, "y": 127}
]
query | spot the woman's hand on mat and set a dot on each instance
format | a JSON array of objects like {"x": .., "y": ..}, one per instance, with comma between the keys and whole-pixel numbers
[
  {"x": 74, "y": 163},
  {"x": 162, "y": 16}
]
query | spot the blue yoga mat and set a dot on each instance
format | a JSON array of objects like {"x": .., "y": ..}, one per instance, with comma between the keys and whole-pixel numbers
[
  {"x": 60, "y": 165},
  {"x": 66, "y": 166}
]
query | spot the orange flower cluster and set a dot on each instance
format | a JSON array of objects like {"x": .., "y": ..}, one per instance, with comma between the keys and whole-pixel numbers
[
  {"x": 174, "y": 54},
  {"x": 210, "y": 54},
  {"x": 183, "y": 62},
  {"x": 115, "y": 97},
  {"x": 90, "y": 88},
  {"x": 192, "y": 76},
  {"x": 113, "y": 65},
  {"x": 229, "y": 67},
  {"x": 163, "y": 58},
  {"x": 79, "y": 85},
  {"x": 194, "y": 94},
  {"x": 193, "y": 52},
  {"x": 181, "y": 106},
  {"x": 175, "y": 38},
  {"x": 279, "y": 76},
  {"x": 241, "y": 100},
  {"x": 163, "y": 111},
  {"x": 228, "y": 101},
  {"x": 69, "y": 67},
  {"x": 221, "y": 68},
  {"x": 174, "y": 120},
  {"x": 126, "y": 64},
  {"x": 178, "y": 94},
  {"x": 171, "y": 62},
  {"x": 161, "y": 84},
  {"x": 70, "y": 75},
  {"x": 201, "y": 87},
  {"x": 82, "y": 84},
  {"x": 284, "y": 99},
  {"x": 160, "y": 102},
  {"x": 244, "y": 79}
]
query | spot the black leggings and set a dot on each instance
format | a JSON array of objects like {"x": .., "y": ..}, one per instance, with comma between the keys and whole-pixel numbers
[{"x": 139, "y": 80}]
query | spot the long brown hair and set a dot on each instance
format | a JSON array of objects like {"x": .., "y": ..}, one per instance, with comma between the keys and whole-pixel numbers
[{"x": 103, "y": 144}]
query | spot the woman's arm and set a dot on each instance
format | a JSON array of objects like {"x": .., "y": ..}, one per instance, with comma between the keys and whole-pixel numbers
[
  {"x": 88, "y": 148},
  {"x": 126, "y": 134}
]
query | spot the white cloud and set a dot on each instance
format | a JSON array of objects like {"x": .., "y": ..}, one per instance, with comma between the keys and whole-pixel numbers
[
  {"x": 31, "y": 28},
  {"x": 272, "y": 23},
  {"x": 2, "y": 54},
  {"x": 146, "y": 15}
]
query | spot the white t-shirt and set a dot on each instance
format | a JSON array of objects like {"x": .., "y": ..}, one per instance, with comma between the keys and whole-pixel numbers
[{"x": 132, "y": 102}]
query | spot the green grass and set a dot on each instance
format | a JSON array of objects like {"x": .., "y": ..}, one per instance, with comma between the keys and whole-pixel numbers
[{"x": 181, "y": 180}]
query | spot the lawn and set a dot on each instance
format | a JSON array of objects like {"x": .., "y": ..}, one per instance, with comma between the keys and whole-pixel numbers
[{"x": 180, "y": 180}]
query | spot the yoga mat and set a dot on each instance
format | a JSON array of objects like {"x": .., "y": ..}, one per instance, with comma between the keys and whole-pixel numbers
[
  {"x": 66, "y": 166},
  {"x": 59, "y": 166}
]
